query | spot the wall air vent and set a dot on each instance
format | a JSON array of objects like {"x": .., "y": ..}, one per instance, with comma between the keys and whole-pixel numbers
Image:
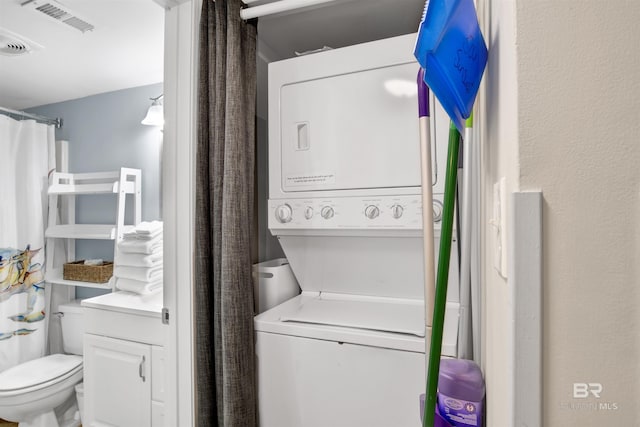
[
  {"x": 11, "y": 44},
  {"x": 60, "y": 13}
]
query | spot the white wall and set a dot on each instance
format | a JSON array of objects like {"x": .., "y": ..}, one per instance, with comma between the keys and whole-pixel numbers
[
  {"x": 578, "y": 102},
  {"x": 559, "y": 113},
  {"x": 498, "y": 122},
  {"x": 268, "y": 246}
]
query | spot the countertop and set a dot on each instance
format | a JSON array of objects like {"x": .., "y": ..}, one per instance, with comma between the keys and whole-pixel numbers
[{"x": 128, "y": 302}]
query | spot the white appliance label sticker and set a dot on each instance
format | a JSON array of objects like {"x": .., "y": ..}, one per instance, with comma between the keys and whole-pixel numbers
[{"x": 318, "y": 178}]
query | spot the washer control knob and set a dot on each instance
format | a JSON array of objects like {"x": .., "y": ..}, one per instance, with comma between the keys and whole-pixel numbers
[
  {"x": 371, "y": 211},
  {"x": 397, "y": 211},
  {"x": 327, "y": 212},
  {"x": 308, "y": 212},
  {"x": 437, "y": 211},
  {"x": 284, "y": 213}
]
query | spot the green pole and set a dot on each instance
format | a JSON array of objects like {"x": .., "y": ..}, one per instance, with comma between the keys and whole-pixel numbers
[{"x": 440, "y": 303}]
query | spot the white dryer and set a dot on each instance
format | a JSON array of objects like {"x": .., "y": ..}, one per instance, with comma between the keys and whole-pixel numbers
[{"x": 345, "y": 204}]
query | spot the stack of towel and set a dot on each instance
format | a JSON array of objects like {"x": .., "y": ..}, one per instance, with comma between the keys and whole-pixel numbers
[{"x": 138, "y": 263}]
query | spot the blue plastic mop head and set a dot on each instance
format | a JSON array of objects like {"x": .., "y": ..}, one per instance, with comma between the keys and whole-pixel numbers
[{"x": 451, "y": 49}]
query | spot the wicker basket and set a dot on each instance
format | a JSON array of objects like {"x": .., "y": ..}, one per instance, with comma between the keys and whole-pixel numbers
[{"x": 87, "y": 273}]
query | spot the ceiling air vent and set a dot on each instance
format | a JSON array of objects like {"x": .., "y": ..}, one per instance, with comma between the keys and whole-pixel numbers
[
  {"x": 12, "y": 44},
  {"x": 60, "y": 13}
]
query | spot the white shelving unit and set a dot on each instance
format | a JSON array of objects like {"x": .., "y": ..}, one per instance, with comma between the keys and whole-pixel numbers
[
  {"x": 82, "y": 231},
  {"x": 69, "y": 185}
]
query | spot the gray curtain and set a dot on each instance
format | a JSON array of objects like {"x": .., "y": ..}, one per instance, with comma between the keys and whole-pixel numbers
[{"x": 225, "y": 369}]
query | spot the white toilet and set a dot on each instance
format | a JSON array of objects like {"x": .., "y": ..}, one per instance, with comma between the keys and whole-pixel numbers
[{"x": 40, "y": 392}]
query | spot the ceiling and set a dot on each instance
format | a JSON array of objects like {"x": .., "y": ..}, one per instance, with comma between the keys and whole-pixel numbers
[{"x": 125, "y": 49}]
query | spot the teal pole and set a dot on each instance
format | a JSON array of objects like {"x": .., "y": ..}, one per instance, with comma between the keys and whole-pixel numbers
[{"x": 440, "y": 303}]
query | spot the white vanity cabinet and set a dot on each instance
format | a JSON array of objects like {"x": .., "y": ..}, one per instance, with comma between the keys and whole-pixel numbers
[{"x": 123, "y": 361}]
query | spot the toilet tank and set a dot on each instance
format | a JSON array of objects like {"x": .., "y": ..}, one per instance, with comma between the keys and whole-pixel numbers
[{"x": 72, "y": 327}]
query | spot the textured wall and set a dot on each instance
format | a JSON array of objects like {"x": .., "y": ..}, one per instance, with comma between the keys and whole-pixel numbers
[{"x": 578, "y": 102}]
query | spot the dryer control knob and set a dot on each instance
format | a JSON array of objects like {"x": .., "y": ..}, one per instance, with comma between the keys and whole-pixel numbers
[
  {"x": 284, "y": 213},
  {"x": 308, "y": 212},
  {"x": 437, "y": 211},
  {"x": 397, "y": 211},
  {"x": 327, "y": 212},
  {"x": 371, "y": 211}
]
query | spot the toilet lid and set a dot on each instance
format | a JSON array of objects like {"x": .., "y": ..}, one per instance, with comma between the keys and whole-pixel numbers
[{"x": 38, "y": 371}]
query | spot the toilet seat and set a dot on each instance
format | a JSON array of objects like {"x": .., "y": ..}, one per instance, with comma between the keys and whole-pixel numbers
[{"x": 38, "y": 374}]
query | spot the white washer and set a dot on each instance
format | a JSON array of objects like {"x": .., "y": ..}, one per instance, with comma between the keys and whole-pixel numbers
[
  {"x": 349, "y": 350},
  {"x": 345, "y": 204},
  {"x": 323, "y": 374}
]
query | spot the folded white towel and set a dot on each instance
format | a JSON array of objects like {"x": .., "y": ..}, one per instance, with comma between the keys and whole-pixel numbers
[
  {"x": 142, "y": 288},
  {"x": 129, "y": 231},
  {"x": 141, "y": 246},
  {"x": 139, "y": 260},
  {"x": 143, "y": 237},
  {"x": 145, "y": 274},
  {"x": 143, "y": 231},
  {"x": 149, "y": 227}
]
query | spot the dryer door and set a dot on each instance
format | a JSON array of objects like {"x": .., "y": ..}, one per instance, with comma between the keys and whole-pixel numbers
[{"x": 351, "y": 131}]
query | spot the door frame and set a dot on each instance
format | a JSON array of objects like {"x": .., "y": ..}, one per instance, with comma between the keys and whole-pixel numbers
[{"x": 180, "y": 109}]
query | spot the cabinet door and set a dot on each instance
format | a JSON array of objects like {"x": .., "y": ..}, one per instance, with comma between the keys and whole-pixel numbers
[
  {"x": 157, "y": 385},
  {"x": 117, "y": 384},
  {"x": 157, "y": 373}
]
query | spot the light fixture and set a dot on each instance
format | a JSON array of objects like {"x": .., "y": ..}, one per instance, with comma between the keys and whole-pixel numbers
[
  {"x": 155, "y": 114},
  {"x": 401, "y": 88}
]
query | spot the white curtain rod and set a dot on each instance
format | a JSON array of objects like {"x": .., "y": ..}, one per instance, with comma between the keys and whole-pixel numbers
[
  {"x": 15, "y": 113},
  {"x": 277, "y": 7}
]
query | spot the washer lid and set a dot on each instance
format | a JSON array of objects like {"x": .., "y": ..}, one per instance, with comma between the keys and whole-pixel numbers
[
  {"x": 38, "y": 371},
  {"x": 376, "y": 314},
  {"x": 272, "y": 322}
]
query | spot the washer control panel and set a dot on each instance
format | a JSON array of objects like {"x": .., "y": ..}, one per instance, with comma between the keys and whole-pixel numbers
[{"x": 384, "y": 212}]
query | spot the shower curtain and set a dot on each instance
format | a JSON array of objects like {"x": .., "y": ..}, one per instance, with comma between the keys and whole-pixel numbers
[
  {"x": 225, "y": 232},
  {"x": 27, "y": 152}
]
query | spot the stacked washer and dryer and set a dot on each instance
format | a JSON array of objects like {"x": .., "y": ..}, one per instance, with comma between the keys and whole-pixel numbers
[{"x": 345, "y": 204}]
